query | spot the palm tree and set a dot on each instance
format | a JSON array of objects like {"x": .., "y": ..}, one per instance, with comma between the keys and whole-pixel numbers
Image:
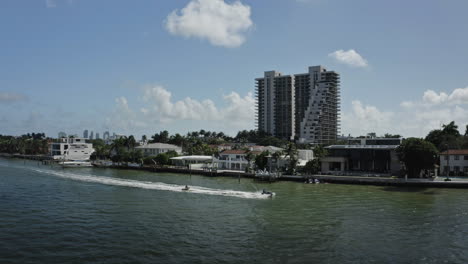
[
  {"x": 291, "y": 151},
  {"x": 276, "y": 156},
  {"x": 249, "y": 156}
]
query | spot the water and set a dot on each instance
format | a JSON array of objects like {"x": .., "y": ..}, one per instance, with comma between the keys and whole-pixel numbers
[{"x": 88, "y": 215}]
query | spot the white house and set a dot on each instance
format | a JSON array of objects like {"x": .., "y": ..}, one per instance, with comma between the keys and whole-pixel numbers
[
  {"x": 455, "y": 161},
  {"x": 194, "y": 161},
  {"x": 154, "y": 149},
  {"x": 234, "y": 159}
]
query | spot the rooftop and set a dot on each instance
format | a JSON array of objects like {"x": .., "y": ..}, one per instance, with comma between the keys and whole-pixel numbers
[
  {"x": 455, "y": 152},
  {"x": 158, "y": 146},
  {"x": 362, "y": 147}
]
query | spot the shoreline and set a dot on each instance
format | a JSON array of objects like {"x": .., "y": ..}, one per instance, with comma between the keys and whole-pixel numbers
[{"x": 360, "y": 180}]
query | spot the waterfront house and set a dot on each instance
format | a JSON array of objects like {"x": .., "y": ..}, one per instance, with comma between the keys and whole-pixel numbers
[
  {"x": 454, "y": 161},
  {"x": 234, "y": 159},
  {"x": 154, "y": 149},
  {"x": 194, "y": 162},
  {"x": 363, "y": 156}
]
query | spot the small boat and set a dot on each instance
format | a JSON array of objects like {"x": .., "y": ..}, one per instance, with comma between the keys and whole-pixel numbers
[
  {"x": 186, "y": 188},
  {"x": 268, "y": 193},
  {"x": 75, "y": 164}
]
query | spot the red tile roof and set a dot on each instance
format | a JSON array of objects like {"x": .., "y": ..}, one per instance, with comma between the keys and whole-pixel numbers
[{"x": 455, "y": 152}]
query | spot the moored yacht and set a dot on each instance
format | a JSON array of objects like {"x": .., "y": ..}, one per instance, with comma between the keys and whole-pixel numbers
[{"x": 72, "y": 152}]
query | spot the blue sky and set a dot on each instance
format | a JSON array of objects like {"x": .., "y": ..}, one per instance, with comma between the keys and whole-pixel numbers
[{"x": 139, "y": 67}]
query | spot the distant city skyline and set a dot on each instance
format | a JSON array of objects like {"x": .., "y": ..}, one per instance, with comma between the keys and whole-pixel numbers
[{"x": 159, "y": 65}]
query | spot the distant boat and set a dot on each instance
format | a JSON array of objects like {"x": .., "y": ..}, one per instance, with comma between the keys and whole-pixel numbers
[
  {"x": 75, "y": 164},
  {"x": 186, "y": 188}
]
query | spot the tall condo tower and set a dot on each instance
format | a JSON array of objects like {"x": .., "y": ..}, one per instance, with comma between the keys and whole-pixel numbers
[{"x": 302, "y": 106}]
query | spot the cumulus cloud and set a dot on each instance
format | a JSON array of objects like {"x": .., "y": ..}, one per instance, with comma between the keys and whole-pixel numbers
[
  {"x": 221, "y": 23},
  {"x": 413, "y": 118},
  {"x": 363, "y": 119},
  {"x": 160, "y": 109},
  {"x": 350, "y": 57},
  {"x": 6, "y": 97},
  {"x": 432, "y": 97},
  {"x": 458, "y": 96}
]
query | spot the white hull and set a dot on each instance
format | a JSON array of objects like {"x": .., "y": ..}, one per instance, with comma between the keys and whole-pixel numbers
[{"x": 76, "y": 164}]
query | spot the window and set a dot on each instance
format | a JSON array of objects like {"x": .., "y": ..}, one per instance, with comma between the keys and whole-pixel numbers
[
  {"x": 446, "y": 157},
  {"x": 457, "y": 157},
  {"x": 456, "y": 168},
  {"x": 465, "y": 157}
]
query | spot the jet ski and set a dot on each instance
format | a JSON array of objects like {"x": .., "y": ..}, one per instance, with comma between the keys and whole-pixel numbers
[{"x": 268, "y": 193}]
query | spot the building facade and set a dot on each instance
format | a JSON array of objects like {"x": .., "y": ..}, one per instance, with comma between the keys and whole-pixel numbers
[
  {"x": 454, "y": 162},
  {"x": 154, "y": 149},
  {"x": 303, "y": 106},
  {"x": 363, "y": 156}
]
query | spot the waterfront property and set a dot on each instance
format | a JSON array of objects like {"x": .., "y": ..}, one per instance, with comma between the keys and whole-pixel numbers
[
  {"x": 363, "y": 156},
  {"x": 234, "y": 159},
  {"x": 153, "y": 149},
  {"x": 194, "y": 161},
  {"x": 301, "y": 106},
  {"x": 454, "y": 162},
  {"x": 71, "y": 149}
]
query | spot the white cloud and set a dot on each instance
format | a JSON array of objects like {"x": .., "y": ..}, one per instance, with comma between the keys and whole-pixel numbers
[
  {"x": 459, "y": 96},
  {"x": 350, "y": 57},
  {"x": 50, "y": 4},
  {"x": 221, "y": 23},
  {"x": 413, "y": 118},
  {"x": 432, "y": 97},
  {"x": 6, "y": 97},
  {"x": 366, "y": 118},
  {"x": 160, "y": 109}
]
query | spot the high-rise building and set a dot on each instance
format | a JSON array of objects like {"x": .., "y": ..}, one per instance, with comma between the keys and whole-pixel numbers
[
  {"x": 62, "y": 135},
  {"x": 91, "y": 135},
  {"x": 105, "y": 135},
  {"x": 302, "y": 106},
  {"x": 97, "y": 135},
  {"x": 85, "y": 133}
]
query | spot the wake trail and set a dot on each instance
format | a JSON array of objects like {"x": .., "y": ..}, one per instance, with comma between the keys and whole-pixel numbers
[{"x": 152, "y": 185}]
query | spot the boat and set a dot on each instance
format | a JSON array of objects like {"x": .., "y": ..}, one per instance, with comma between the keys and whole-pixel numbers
[
  {"x": 186, "y": 188},
  {"x": 75, "y": 164},
  {"x": 268, "y": 193},
  {"x": 264, "y": 175},
  {"x": 75, "y": 149},
  {"x": 72, "y": 152}
]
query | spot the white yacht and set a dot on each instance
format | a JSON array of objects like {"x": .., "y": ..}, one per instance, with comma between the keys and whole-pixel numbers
[{"x": 73, "y": 152}]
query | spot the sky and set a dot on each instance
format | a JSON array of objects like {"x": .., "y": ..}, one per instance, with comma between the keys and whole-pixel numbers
[{"x": 140, "y": 67}]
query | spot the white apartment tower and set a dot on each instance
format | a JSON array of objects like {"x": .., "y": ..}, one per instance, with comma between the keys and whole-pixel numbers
[{"x": 303, "y": 106}]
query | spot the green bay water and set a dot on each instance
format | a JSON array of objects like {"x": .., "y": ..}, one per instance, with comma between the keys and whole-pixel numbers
[{"x": 91, "y": 215}]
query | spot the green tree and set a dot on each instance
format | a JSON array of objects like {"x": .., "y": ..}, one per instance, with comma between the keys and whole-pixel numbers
[
  {"x": 314, "y": 166},
  {"x": 249, "y": 156},
  {"x": 177, "y": 139},
  {"x": 162, "y": 159},
  {"x": 161, "y": 137},
  {"x": 292, "y": 153},
  {"x": 261, "y": 160},
  {"x": 387, "y": 135},
  {"x": 417, "y": 154},
  {"x": 451, "y": 129}
]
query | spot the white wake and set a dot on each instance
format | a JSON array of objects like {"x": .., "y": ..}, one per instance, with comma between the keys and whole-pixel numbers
[{"x": 153, "y": 185}]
